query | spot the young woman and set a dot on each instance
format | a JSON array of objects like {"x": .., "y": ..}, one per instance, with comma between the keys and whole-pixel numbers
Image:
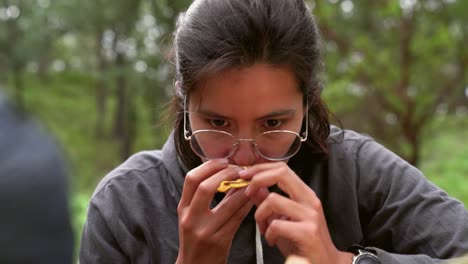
[{"x": 247, "y": 105}]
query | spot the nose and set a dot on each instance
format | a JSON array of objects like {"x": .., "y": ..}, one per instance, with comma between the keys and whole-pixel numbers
[{"x": 245, "y": 154}]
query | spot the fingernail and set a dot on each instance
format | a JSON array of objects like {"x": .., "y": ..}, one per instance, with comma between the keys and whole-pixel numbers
[
  {"x": 242, "y": 172},
  {"x": 223, "y": 161},
  {"x": 247, "y": 191}
]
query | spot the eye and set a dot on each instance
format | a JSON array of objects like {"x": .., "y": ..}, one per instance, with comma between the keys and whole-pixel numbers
[
  {"x": 272, "y": 123},
  {"x": 218, "y": 122}
]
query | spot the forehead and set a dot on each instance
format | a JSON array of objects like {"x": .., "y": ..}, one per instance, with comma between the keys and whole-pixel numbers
[{"x": 254, "y": 87}]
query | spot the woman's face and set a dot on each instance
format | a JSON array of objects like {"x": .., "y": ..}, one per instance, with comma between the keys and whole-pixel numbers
[{"x": 246, "y": 102}]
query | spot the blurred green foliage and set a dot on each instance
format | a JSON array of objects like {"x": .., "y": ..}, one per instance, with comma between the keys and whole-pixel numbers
[{"x": 445, "y": 156}]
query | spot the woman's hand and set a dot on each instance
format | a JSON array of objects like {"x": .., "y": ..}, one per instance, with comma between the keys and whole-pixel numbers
[
  {"x": 296, "y": 225},
  {"x": 205, "y": 235}
]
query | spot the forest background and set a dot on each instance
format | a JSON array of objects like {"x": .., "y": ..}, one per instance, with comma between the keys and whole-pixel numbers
[{"x": 96, "y": 73}]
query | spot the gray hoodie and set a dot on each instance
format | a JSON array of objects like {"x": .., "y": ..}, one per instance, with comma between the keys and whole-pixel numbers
[{"x": 369, "y": 195}]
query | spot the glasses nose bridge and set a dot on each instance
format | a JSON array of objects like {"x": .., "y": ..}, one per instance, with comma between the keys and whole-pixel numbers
[
  {"x": 252, "y": 142},
  {"x": 247, "y": 154},
  {"x": 246, "y": 139}
]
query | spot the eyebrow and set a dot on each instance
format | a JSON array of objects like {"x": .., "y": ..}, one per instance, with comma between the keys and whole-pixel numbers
[{"x": 276, "y": 113}]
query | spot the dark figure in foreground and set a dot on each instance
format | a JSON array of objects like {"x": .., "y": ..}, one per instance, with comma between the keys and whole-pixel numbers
[{"x": 34, "y": 217}]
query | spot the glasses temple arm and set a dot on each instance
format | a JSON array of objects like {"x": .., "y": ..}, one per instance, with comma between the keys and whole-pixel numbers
[
  {"x": 306, "y": 132},
  {"x": 187, "y": 134}
]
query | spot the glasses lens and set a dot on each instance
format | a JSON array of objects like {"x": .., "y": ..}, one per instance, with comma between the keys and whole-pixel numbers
[
  {"x": 211, "y": 144},
  {"x": 278, "y": 145}
]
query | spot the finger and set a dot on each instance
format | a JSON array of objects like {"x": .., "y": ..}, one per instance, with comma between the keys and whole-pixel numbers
[
  {"x": 224, "y": 211},
  {"x": 285, "y": 179},
  {"x": 288, "y": 230},
  {"x": 259, "y": 196},
  {"x": 295, "y": 259},
  {"x": 196, "y": 176},
  {"x": 231, "y": 203},
  {"x": 209, "y": 187},
  {"x": 249, "y": 172},
  {"x": 229, "y": 206},
  {"x": 231, "y": 192},
  {"x": 235, "y": 219},
  {"x": 276, "y": 205}
]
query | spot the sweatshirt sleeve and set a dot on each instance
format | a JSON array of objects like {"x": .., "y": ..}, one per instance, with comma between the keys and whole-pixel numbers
[
  {"x": 98, "y": 244},
  {"x": 405, "y": 217}
]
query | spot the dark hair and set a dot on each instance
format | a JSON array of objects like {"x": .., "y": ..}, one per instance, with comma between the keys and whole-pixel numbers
[{"x": 214, "y": 35}]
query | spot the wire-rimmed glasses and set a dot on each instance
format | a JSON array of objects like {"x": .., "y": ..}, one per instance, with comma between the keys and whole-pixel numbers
[{"x": 273, "y": 145}]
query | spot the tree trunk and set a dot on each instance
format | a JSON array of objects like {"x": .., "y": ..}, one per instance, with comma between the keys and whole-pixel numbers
[
  {"x": 121, "y": 98},
  {"x": 407, "y": 117},
  {"x": 101, "y": 107},
  {"x": 130, "y": 130},
  {"x": 19, "y": 89},
  {"x": 123, "y": 123},
  {"x": 412, "y": 135},
  {"x": 101, "y": 89},
  {"x": 44, "y": 60}
]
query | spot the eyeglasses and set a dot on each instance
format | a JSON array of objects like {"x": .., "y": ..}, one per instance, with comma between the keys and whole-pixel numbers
[{"x": 273, "y": 145}]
